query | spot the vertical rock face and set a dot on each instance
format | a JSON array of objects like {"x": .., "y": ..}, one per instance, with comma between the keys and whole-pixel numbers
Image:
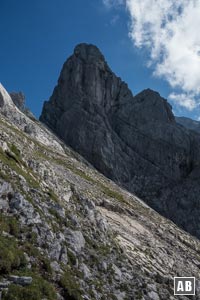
[{"x": 133, "y": 140}]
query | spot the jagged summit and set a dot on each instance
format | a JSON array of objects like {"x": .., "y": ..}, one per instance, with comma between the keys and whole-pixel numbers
[
  {"x": 88, "y": 52},
  {"x": 153, "y": 106},
  {"x": 86, "y": 81}
]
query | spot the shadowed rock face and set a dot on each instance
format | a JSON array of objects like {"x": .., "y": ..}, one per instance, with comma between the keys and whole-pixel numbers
[
  {"x": 133, "y": 140},
  {"x": 189, "y": 123}
]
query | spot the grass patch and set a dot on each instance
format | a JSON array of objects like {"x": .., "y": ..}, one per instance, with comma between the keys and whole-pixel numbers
[
  {"x": 15, "y": 150},
  {"x": 53, "y": 196},
  {"x": 11, "y": 257},
  {"x": 71, "y": 257},
  {"x": 39, "y": 289},
  {"x": 12, "y": 163},
  {"x": 70, "y": 286},
  {"x": 110, "y": 193},
  {"x": 10, "y": 225}
]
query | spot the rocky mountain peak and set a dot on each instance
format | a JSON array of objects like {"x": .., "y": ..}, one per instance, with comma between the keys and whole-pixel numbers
[
  {"x": 85, "y": 81},
  {"x": 68, "y": 232},
  {"x": 89, "y": 53},
  {"x": 133, "y": 140},
  {"x": 154, "y": 107}
]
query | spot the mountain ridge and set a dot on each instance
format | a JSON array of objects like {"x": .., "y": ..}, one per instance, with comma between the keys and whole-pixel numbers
[{"x": 133, "y": 140}]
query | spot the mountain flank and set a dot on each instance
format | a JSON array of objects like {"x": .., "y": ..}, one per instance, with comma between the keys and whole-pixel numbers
[
  {"x": 69, "y": 233},
  {"x": 134, "y": 140},
  {"x": 189, "y": 123}
]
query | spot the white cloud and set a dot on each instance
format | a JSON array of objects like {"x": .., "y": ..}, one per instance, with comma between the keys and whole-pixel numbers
[
  {"x": 184, "y": 100},
  {"x": 169, "y": 29}
]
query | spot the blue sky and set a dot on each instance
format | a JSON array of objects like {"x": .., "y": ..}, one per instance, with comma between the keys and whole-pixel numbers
[{"x": 38, "y": 36}]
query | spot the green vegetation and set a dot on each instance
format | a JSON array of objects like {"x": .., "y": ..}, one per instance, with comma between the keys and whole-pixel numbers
[
  {"x": 71, "y": 257},
  {"x": 41, "y": 263},
  {"x": 4, "y": 176},
  {"x": 70, "y": 285},
  {"x": 9, "y": 225},
  {"x": 11, "y": 256},
  {"x": 15, "y": 150},
  {"x": 54, "y": 213},
  {"x": 39, "y": 289},
  {"x": 53, "y": 196},
  {"x": 111, "y": 193},
  {"x": 82, "y": 174},
  {"x": 13, "y": 163}
]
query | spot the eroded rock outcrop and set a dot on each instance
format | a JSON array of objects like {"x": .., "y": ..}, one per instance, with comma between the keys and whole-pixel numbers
[
  {"x": 133, "y": 140},
  {"x": 18, "y": 99}
]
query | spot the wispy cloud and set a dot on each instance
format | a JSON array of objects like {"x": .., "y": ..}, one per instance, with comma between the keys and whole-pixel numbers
[
  {"x": 114, "y": 20},
  {"x": 184, "y": 100},
  {"x": 111, "y": 3},
  {"x": 169, "y": 29}
]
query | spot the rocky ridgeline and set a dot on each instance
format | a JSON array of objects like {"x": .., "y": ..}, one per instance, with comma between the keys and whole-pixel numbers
[
  {"x": 68, "y": 232},
  {"x": 133, "y": 140},
  {"x": 189, "y": 123}
]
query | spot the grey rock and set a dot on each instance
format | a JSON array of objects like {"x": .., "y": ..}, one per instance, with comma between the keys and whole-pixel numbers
[
  {"x": 117, "y": 271},
  {"x": 64, "y": 256},
  {"x": 85, "y": 270},
  {"x": 189, "y": 123},
  {"x": 21, "y": 280},
  {"x": 134, "y": 140},
  {"x": 30, "y": 129},
  {"x": 4, "y": 284},
  {"x": 153, "y": 296},
  {"x": 20, "y": 206},
  {"x": 55, "y": 251},
  {"x": 6, "y": 193},
  {"x": 120, "y": 296},
  {"x": 75, "y": 239},
  {"x": 18, "y": 99},
  {"x": 104, "y": 266},
  {"x": 5, "y": 99},
  {"x": 55, "y": 266},
  {"x": 4, "y": 146}
]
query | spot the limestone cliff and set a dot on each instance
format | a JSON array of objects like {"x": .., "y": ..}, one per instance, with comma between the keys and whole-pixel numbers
[{"x": 133, "y": 140}]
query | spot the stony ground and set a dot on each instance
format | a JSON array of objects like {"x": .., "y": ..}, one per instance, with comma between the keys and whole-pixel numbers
[{"x": 67, "y": 232}]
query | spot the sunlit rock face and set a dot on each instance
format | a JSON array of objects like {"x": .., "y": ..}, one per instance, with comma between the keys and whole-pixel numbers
[
  {"x": 5, "y": 99},
  {"x": 133, "y": 140},
  {"x": 68, "y": 232}
]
